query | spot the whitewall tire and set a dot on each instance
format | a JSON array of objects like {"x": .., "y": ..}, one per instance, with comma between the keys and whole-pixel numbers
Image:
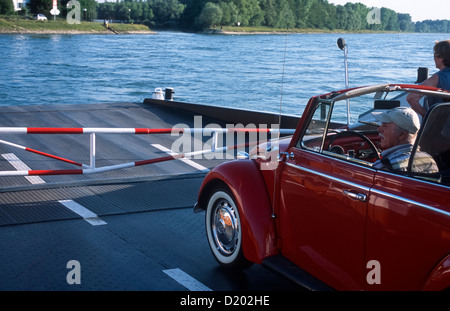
[{"x": 224, "y": 231}]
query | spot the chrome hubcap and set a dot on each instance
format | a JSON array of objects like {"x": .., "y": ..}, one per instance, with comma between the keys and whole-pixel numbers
[{"x": 225, "y": 227}]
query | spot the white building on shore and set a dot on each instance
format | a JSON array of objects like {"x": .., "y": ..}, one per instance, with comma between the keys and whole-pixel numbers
[{"x": 19, "y": 4}]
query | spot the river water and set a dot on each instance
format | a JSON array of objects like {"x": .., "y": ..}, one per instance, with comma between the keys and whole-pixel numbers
[{"x": 259, "y": 72}]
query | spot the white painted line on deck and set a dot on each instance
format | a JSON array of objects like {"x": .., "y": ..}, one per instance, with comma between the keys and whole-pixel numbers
[
  {"x": 186, "y": 280},
  {"x": 187, "y": 161},
  {"x": 87, "y": 215},
  {"x": 21, "y": 166}
]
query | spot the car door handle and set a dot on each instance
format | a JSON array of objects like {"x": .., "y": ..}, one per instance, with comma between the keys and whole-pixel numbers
[
  {"x": 356, "y": 196},
  {"x": 288, "y": 155}
]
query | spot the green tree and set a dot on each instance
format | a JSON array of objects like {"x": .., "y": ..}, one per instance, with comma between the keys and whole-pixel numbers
[
  {"x": 89, "y": 9},
  {"x": 150, "y": 12},
  {"x": 301, "y": 10},
  {"x": 229, "y": 13},
  {"x": 317, "y": 15},
  {"x": 285, "y": 18},
  {"x": 271, "y": 12},
  {"x": 433, "y": 26},
  {"x": 40, "y": 6},
  {"x": 423, "y": 27},
  {"x": 404, "y": 22},
  {"x": 257, "y": 16},
  {"x": 122, "y": 11},
  {"x": 357, "y": 16},
  {"x": 147, "y": 13},
  {"x": 196, "y": 14},
  {"x": 342, "y": 17},
  {"x": 6, "y": 7},
  {"x": 136, "y": 13},
  {"x": 106, "y": 10},
  {"x": 389, "y": 19},
  {"x": 210, "y": 15},
  {"x": 190, "y": 13},
  {"x": 250, "y": 12},
  {"x": 166, "y": 10},
  {"x": 331, "y": 21}
]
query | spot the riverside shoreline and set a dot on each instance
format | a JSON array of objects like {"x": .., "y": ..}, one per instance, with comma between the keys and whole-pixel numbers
[
  {"x": 60, "y": 26},
  {"x": 71, "y": 32},
  {"x": 229, "y": 30},
  {"x": 11, "y": 26}
]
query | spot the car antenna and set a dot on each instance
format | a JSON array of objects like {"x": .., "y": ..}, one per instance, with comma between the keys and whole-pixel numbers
[
  {"x": 282, "y": 84},
  {"x": 343, "y": 46},
  {"x": 279, "y": 124}
]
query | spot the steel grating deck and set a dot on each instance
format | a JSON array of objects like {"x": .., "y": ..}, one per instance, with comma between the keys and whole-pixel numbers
[{"x": 31, "y": 206}]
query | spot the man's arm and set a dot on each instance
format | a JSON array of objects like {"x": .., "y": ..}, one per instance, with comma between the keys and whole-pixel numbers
[{"x": 414, "y": 98}]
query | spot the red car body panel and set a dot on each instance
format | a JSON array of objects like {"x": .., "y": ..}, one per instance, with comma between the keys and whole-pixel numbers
[
  {"x": 440, "y": 277},
  {"x": 408, "y": 229},
  {"x": 243, "y": 177},
  {"x": 326, "y": 223}
]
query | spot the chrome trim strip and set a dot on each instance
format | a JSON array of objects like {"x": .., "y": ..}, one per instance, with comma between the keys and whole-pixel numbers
[
  {"x": 396, "y": 197},
  {"x": 348, "y": 183}
]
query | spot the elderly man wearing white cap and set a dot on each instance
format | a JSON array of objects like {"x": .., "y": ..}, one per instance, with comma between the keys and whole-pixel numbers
[{"x": 398, "y": 130}]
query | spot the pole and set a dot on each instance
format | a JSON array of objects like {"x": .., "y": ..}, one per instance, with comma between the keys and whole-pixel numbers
[{"x": 343, "y": 46}]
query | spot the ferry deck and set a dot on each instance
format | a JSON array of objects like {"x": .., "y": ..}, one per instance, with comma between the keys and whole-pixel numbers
[{"x": 126, "y": 229}]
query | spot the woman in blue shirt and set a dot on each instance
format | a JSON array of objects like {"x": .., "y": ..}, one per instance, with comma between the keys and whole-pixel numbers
[{"x": 441, "y": 79}]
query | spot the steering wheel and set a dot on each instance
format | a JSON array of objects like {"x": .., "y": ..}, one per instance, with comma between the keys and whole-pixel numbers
[{"x": 353, "y": 133}]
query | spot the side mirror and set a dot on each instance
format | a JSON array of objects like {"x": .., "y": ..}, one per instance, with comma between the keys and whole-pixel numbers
[{"x": 341, "y": 43}]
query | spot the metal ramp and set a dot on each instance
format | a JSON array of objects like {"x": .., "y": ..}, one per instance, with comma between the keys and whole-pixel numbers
[
  {"x": 33, "y": 206},
  {"x": 44, "y": 151}
]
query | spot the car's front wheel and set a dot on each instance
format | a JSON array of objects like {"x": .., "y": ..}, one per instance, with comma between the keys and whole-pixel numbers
[{"x": 223, "y": 230}]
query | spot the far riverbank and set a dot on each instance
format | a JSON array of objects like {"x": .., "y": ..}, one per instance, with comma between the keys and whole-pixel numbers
[
  {"x": 61, "y": 26},
  {"x": 237, "y": 30}
]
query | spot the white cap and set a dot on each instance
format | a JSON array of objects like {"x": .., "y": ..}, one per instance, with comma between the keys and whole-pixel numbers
[{"x": 403, "y": 117}]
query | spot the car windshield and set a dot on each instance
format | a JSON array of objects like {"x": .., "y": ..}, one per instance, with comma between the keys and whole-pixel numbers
[
  {"x": 353, "y": 136},
  {"x": 336, "y": 112}
]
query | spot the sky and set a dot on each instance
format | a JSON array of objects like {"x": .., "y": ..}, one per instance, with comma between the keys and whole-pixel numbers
[{"x": 418, "y": 9}]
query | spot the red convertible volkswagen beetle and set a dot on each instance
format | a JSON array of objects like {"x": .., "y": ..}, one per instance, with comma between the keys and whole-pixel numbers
[{"x": 323, "y": 215}]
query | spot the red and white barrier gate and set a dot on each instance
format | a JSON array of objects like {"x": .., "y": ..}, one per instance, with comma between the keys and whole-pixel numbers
[{"x": 90, "y": 169}]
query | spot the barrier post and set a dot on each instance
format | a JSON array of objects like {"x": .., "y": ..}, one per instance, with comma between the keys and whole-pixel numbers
[
  {"x": 214, "y": 141},
  {"x": 92, "y": 150}
]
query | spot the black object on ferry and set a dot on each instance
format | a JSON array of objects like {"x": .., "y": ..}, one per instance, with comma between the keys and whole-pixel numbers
[{"x": 341, "y": 43}]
